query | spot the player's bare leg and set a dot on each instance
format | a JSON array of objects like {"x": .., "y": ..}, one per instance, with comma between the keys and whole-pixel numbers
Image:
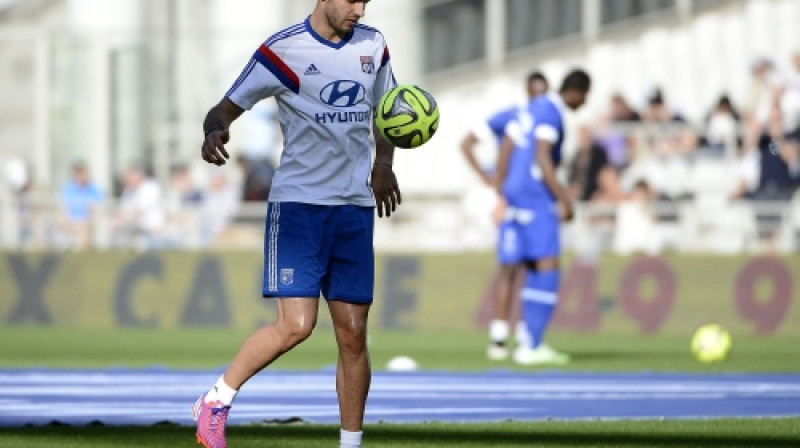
[
  {"x": 502, "y": 304},
  {"x": 353, "y": 374},
  {"x": 499, "y": 328},
  {"x": 508, "y": 287},
  {"x": 295, "y": 322}
]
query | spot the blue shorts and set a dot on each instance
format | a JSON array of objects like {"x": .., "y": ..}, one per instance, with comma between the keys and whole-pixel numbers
[
  {"x": 529, "y": 234},
  {"x": 317, "y": 249}
]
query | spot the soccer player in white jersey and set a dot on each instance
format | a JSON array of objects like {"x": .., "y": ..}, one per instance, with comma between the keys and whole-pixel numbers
[{"x": 327, "y": 74}]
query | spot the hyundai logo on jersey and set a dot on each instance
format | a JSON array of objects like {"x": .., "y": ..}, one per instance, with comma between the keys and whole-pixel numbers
[{"x": 343, "y": 94}]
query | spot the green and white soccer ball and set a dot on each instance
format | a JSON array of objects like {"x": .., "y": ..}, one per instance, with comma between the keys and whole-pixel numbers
[
  {"x": 711, "y": 343},
  {"x": 407, "y": 116}
]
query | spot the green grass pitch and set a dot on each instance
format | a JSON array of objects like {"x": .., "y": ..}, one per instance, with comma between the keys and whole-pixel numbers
[
  {"x": 775, "y": 433},
  {"x": 453, "y": 350},
  {"x": 25, "y": 347}
]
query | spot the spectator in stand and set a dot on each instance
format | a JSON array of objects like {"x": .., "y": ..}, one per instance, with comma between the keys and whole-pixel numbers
[
  {"x": 792, "y": 132},
  {"x": 769, "y": 172},
  {"x": 657, "y": 111},
  {"x": 661, "y": 162},
  {"x": 622, "y": 111},
  {"x": 183, "y": 192},
  {"x": 609, "y": 187},
  {"x": 768, "y": 89},
  {"x": 748, "y": 167},
  {"x": 603, "y": 205},
  {"x": 141, "y": 218},
  {"x": 779, "y": 162},
  {"x": 183, "y": 201},
  {"x": 722, "y": 128},
  {"x": 668, "y": 128},
  {"x": 616, "y": 131},
  {"x": 636, "y": 229},
  {"x": 764, "y": 84},
  {"x": 20, "y": 184},
  {"x": 80, "y": 198},
  {"x": 793, "y": 81},
  {"x": 590, "y": 158},
  {"x": 790, "y": 103},
  {"x": 222, "y": 203}
]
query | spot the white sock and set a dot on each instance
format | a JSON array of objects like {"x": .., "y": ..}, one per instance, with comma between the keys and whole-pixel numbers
[
  {"x": 522, "y": 335},
  {"x": 498, "y": 331},
  {"x": 350, "y": 439},
  {"x": 221, "y": 392}
]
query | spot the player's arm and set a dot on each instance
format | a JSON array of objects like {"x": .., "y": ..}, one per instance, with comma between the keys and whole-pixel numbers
[
  {"x": 468, "y": 149},
  {"x": 544, "y": 158},
  {"x": 501, "y": 171},
  {"x": 216, "y": 128},
  {"x": 258, "y": 80},
  {"x": 383, "y": 181},
  {"x": 503, "y": 160}
]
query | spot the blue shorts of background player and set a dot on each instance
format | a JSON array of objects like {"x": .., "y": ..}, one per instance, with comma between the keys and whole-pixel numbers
[
  {"x": 529, "y": 234},
  {"x": 528, "y": 237},
  {"x": 312, "y": 250}
]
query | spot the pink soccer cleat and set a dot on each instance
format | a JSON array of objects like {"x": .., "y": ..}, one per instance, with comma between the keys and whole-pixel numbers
[{"x": 211, "y": 419}]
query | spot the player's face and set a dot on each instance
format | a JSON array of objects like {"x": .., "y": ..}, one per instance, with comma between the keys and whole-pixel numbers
[
  {"x": 575, "y": 99},
  {"x": 343, "y": 15},
  {"x": 536, "y": 88},
  {"x": 81, "y": 176}
]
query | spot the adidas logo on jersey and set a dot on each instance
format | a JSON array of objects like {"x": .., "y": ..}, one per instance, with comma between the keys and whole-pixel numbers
[{"x": 312, "y": 70}]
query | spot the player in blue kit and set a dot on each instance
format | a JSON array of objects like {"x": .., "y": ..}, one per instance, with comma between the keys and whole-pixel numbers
[
  {"x": 502, "y": 285},
  {"x": 535, "y": 204},
  {"x": 327, "y": 75},
  {"x": 536, "y": 85}
]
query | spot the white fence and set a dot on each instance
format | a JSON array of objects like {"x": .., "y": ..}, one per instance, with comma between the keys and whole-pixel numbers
[{"x": 430, "y": 224}]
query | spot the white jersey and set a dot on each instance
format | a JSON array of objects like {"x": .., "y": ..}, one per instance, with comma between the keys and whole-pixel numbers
[{"x": 326, "y": 94}]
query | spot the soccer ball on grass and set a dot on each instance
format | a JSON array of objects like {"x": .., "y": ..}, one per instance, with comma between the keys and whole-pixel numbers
[
  {"x": 407, "y": 116},
  {"x": 711, "y": 343}
]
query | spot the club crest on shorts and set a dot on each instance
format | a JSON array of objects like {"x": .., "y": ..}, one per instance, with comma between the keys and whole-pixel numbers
[
  {"x": 368, "y": 64},
  {"x": 287, "y": 277}
]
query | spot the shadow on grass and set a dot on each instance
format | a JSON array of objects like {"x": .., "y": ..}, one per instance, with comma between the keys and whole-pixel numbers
[
  {"x": 562, "y": 437},
  {"x": 562, "y": 434}
]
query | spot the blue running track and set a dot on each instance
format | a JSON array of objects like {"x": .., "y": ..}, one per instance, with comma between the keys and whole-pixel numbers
[{"x": 143, "y": 397}]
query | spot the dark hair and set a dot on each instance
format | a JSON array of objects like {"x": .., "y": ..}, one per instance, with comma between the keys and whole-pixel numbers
[
  {"x": 725, "y": 101},
  {"x": 577, "y": 80},
  {"x": 537, "y": 76},
  {"x": 656, "y": 97},
  {"x": 643, "y": 184}
]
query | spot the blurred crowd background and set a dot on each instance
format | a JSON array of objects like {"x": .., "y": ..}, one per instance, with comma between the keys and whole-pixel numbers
[{"x": 690, "y": 142}]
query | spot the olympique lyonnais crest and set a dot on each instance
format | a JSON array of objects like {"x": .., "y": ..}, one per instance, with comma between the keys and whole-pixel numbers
[
  {"x": 368, "y": 64},
  {"x": 287, "y": 276}
]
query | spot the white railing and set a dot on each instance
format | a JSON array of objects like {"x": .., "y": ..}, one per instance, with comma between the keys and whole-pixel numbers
[
  {"x": 433, "y": 224},
  {"x": 696, "y": 226}
]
